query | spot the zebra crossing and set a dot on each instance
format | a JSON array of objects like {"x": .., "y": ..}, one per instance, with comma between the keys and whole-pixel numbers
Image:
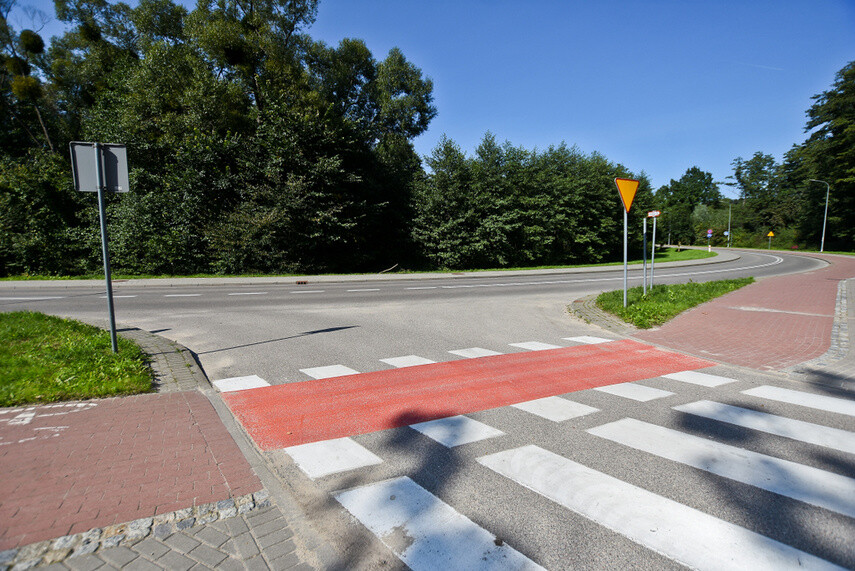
[
  {"x": 605, "y": 477},
  {"x": 399, "y": 507}
]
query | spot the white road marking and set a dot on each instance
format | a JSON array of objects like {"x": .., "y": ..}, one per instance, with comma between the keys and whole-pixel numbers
[
  {"x": 249, "y": 293},
  {"x": 183, "y": 295},
  {"x": 686, "y": 535},
  {"x": 44, "y": 298},
  {"x": 474, "y": 352},
  {"x": 426, "y": 533},
  {"x": 118, "y": 296},
  {"x": 555, "y": 409},
  {"x": 633, "y": 391},
  {"x": 364, "y": 289},
  {"x": 588, "y": 339},
  {"x": 308, "y": 291},
  {"x": 456, "y": 430},
  {"x": 407, "y": 361},
  {"x": 702, "y": 379},
  {"x": 797, "y": 481},
  {"x": 23, "y": 418},
  {"x": 318, "y": 459},
  {"x": 425, "y": 287},
  {"x": 240, "y": 383},
  {"x": 329, "y": 371},
  {"x": 826, "y": 436},
  {"x": 534, "y": 346},
  {"x": 810, "y": 400}
]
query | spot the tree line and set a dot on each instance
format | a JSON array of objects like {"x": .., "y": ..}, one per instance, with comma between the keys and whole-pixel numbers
[{"x": 254, "y": 148}]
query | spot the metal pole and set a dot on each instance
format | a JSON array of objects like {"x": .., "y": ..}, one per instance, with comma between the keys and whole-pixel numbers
[
  {"x": 729, "y": 210},
  {"x": 653, "y": 253},
  {"x": 625, "y": 231},
  {"x": 825, "y": 217},
  {"x": 102, "y": 211},
  {"x": 644, "y": 260}
]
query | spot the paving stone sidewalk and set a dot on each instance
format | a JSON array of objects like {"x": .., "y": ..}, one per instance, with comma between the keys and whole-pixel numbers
[{"x": 153, "y": 481}]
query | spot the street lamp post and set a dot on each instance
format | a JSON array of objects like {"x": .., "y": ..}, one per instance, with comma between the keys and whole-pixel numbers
[{"x": 824, "y": 218}]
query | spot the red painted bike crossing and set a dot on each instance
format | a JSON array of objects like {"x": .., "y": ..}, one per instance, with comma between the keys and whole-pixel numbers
[{"x": 297, "y": 413}]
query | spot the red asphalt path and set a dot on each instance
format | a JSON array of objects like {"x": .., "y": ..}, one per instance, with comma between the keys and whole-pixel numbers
[{"x": 297, "y": 413}]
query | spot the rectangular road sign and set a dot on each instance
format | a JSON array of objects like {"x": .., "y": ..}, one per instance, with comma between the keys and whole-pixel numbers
[
  {"x": 114, "y": 167},
  {"x": 653, "y": 214}
]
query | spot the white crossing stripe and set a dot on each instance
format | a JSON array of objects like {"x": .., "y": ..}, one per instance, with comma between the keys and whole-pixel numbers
[
  {"x": 702, "y": 379},
  {"x": 456, "y": 430},
  {"x": 474, "y": 352},
  {"x": 534, "y": 346},
  {"x": 686, "y": 535},
  {"x": 804, "y": 483},
  {"x": 634, "y": 391},
  {"x": 588, "y": 339},
  {"x": 555, "y": 409},
  {"x": 407, "y": 361},
  {"x": 826, "y": 436},
  {"x": 329, "y": 371},
  {"x": 319, "y": 459},
  {"x": 426, "y": 533},
  {"x": 810, "y": 400},
  {"x": 240, "y": 383}
]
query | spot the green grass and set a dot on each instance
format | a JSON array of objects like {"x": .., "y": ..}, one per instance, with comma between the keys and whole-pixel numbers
[
  {"x": 663, "y": 302},
  {"x": 663, "y": 255},
  {"x": 48, "y": 359}
]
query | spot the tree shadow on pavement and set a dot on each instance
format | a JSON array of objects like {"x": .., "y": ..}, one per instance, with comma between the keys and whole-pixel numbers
[
  {"x": 296, "y": 336},
  {"x": 776, "y": 516}
]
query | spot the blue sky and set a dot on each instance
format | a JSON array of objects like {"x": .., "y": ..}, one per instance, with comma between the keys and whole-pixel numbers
[{"x": 657, "y": 85}]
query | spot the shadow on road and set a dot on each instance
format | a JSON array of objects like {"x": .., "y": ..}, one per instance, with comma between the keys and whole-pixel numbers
[
  {"x": 297, "y": 336},
  {"x": 784, "y": 519}
]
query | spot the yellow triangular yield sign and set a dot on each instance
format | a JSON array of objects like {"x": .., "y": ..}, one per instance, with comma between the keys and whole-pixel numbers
[
  {"x": 770, "y": 234},
  {"x": 626, "y": 187}
]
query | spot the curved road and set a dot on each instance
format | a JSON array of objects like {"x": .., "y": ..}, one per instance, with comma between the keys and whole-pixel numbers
[{"x": 275, "y": 328}]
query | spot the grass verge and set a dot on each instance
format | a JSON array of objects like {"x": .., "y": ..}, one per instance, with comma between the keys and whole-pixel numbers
[
  {"x": 662, "y": 255},
  {"x": 48, "y": 359},
  {"x": 663, "y": 302}
]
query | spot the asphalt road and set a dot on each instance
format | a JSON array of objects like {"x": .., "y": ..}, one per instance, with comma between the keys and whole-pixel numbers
[{"x": 275, "y": 329}]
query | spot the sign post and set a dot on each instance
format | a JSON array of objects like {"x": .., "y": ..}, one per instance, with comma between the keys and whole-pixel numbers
[
  {"x": 709, "y": 235},
  {"x": 626, "y": 188},
  {"x": 644, "y": 260},
  {"x": 770, "y": 235},
  {"x": 653, "y": 214},
  {"x": 101, "y": 168}
]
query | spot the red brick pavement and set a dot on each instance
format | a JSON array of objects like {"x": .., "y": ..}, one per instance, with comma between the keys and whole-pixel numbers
[
  {"x": 772, "y": 324},
  {"x": 74, "y": 467}
]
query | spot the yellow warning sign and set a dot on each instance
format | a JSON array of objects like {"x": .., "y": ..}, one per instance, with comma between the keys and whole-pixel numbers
[
  {"x": 626, "y": 187},
  {"x": 770, "y": 234}
]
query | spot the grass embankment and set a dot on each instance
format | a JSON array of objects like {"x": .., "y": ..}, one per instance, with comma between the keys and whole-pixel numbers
[
  {"x": 663, "y": 255},
  {"x": 48, "y": 359},
  {"x": 663, "y": 302}
]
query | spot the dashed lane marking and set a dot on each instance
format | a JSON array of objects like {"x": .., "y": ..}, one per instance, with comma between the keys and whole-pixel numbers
[
  {"x": 426, "y": 533},
  {"x": 363, "y": 289},
  {"x": 474, "y": 352},
  {"x": 797, "y": 481},
  {"x": 240, "y": 383},
  {"x": 249, "y": 293},
  {"x": 809, "y": 432},
  {"x": 702, "y": 379},
  {"x": 319, "y": 459},
  {"x": 534, "y": 346},
  {"x": 635, "y": 392},
  {"x": 407, "y": 361},
  {"x": 456, "y": 430},
  {"x": 329, "y": 372},
  {"x": 556, "y": 409},
  {"x": 308, "y": 291},
  {"x": 183, "y": 295},
  {"x": 684, "y": 534}
]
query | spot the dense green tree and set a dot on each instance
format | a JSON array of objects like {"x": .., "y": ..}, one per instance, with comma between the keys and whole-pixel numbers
[{"x": 680, "y": 200}]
